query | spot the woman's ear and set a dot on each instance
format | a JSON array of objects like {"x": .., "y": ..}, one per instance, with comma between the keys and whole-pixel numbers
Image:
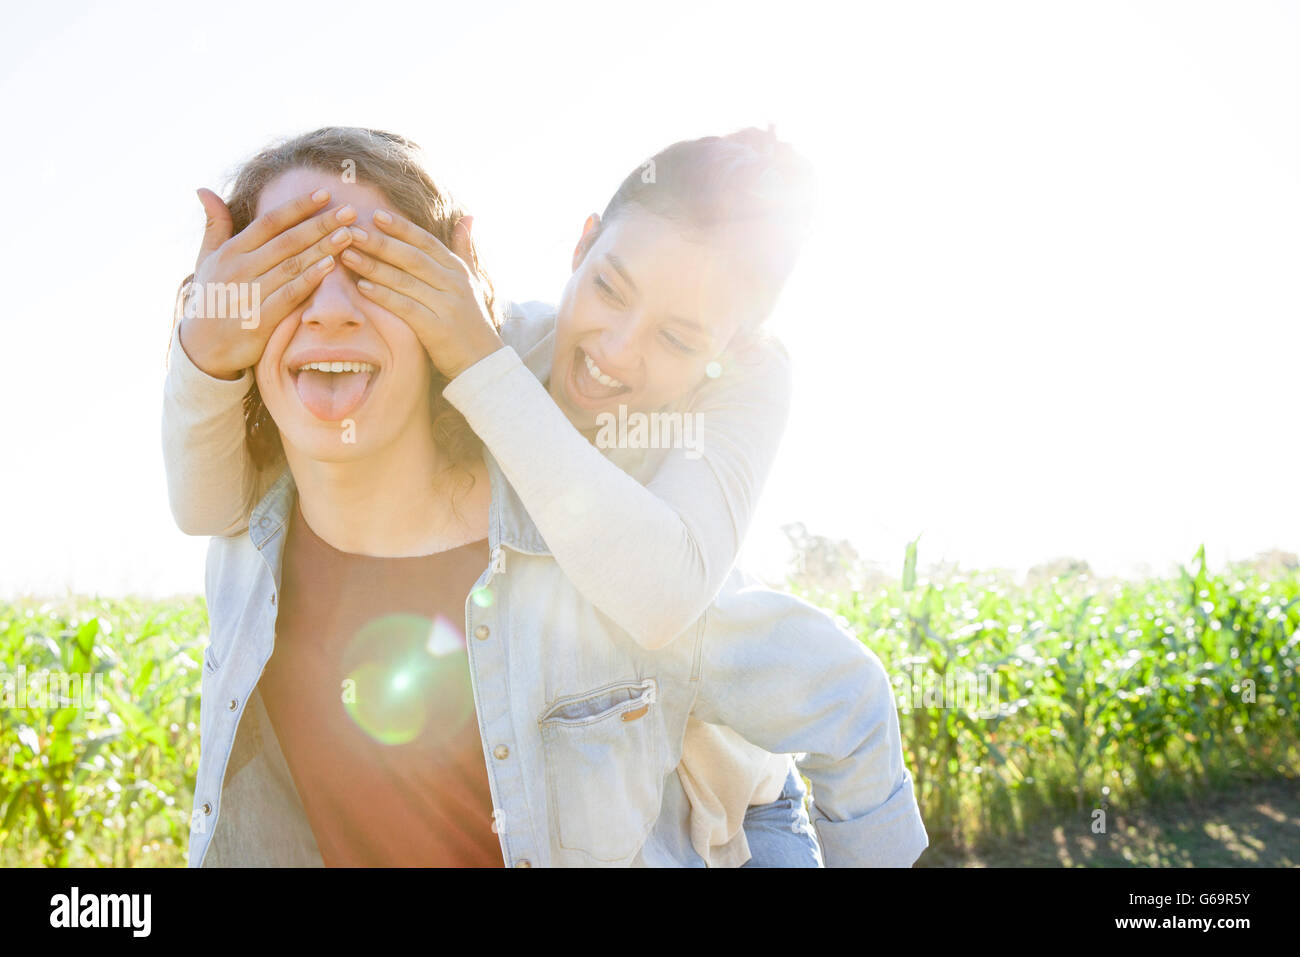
[
  {"x": 590, "y": 230},
  {"x": 462, "y": 243}
]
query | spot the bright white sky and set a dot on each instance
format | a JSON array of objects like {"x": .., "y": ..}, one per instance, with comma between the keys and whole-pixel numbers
[{"x": 1050, "y": 309}]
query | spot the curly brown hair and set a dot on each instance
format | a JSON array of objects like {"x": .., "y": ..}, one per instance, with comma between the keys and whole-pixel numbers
[{"x": 394, "y": 166}]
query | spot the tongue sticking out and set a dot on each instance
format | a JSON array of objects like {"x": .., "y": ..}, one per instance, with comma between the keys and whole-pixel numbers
[{"x": 331, "y": 395}]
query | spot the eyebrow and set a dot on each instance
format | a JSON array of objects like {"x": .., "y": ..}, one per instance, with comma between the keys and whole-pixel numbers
[
  {"x": 620, "y": 269},
  {"x": 680, "y": 320},
  {"x": 690, "y": 324}
]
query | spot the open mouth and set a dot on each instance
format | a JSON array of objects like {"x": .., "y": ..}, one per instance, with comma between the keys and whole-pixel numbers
[
  {"x": 589, "y": 383},
  {"x": 333, "y": 390}
]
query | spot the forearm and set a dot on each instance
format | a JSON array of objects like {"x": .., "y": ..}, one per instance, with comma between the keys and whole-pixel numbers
[
  {"x": 650, "y": 556},
  {"x": 211, "y": 480},
  {"x": 629, "y": 552}
]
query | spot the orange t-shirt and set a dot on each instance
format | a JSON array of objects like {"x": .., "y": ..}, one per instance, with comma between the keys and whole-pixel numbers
[{"x": 368, "y": 690}]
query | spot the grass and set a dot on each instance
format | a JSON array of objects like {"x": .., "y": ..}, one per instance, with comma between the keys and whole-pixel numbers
[
  {"x": 1253, "y": 826},
  {"x": 109, "y": 785},
  {"x": 1112, "y": 696},
  {"x": 1122, "y": 698}
]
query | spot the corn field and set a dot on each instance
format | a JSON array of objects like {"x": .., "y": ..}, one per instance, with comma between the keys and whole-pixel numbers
[
  {"x": 1108, "y": 695},
  {"x": 1087, "y": 695}
]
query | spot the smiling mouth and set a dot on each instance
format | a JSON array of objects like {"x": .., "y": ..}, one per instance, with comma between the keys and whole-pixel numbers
[
  {"x": 334, "y": 390},
  {"x": 589, "y": 383}
]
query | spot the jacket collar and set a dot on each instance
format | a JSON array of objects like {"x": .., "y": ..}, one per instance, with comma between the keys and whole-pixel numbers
[
  {"x": 271, "y": 514},
  {"x": 540, "y": 357},
  {"x": 511, "y": 525}
]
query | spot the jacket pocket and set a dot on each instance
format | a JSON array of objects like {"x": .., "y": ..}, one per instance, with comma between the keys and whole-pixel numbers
[{"x": 603, "y": 752}]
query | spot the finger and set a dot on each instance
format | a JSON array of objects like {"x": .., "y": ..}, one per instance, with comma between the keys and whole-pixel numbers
[
  {"x": 416, "y": 314},
  {"x": 402, "y": 228},
  {"x": 382, "y": 273},
  {"x": 404, "y": 256},
  {"x": 219, "y": 226},
  {"x": 289, "y": 253},
  {"x": 294, "y": 292},
  {"x": 271, "y": 224}
]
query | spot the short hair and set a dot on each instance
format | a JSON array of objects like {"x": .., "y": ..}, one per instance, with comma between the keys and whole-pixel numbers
[{"x": 747, "y": 179}]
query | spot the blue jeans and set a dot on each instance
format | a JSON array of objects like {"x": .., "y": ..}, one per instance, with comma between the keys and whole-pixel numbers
[{"x": 780, "y": 834}]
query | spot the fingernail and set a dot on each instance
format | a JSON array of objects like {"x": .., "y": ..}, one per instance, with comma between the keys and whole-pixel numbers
[
  {"x": 383, "y": 216},
  {"x": 351, "y": 258},
  {"x": 320, "y": 195},
  {"x": 340, "y": 237},
  {"x": 360, "y": 234},
  {"x": 344, "y": 213},
  {"x": 326, "y": 264},
  {"x": 364, "y": 284}
]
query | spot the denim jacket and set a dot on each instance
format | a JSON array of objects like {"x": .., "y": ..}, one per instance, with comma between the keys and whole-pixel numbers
[{"x": 582, "y": 727}]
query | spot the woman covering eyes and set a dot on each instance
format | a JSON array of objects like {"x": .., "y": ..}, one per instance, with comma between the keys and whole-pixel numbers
[{"x": 370, "y": 297}]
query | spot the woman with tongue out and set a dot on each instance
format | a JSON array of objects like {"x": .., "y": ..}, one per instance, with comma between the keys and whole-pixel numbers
[
  {"x": 661, "y": 314},
  {"x": 332, "y": 390}
]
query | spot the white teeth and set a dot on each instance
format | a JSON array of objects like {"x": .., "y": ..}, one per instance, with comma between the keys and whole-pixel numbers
[
  {"x": 599, "y": 376},
  {"x": 338, "y": 367}
]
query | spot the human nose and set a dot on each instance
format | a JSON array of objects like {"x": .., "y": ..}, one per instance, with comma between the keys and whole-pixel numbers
[
  {"x": 334, "y": 304},
  {"x": 621, "y": 345}
]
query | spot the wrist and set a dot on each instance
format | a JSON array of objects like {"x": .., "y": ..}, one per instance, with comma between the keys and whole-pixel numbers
[
  {"x": 194, "y": 347},
  {"x": 476, "y": 352}
]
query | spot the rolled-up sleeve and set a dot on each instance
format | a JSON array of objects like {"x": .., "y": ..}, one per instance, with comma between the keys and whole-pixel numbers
[
  {"x": 784, "y": 675},
  {"x": 893, "y": 835}
]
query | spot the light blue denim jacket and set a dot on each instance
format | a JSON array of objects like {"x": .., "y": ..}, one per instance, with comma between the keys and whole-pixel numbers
[{"x": 582, "y": 728}]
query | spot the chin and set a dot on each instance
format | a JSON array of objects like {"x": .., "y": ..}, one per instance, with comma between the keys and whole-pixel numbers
[
  {"x": 323, "y": 441},
  {"x": 325, "y": 448},
  {"x": 335, "y": 451}
]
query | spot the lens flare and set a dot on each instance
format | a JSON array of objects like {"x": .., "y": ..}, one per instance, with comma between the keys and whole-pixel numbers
[{"x": 410, "y": 678}]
